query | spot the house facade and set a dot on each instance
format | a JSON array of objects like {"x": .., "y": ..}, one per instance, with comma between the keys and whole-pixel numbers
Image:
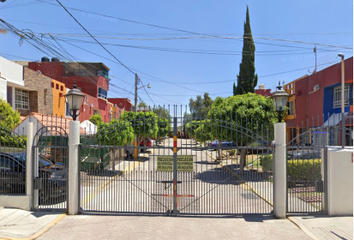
[
  {"x": 91, "y": 78},
  {"x": 315, "y": 100},
  {"x": 123, "y": 103}
]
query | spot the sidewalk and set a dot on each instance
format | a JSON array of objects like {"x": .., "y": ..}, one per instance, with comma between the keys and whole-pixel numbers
[{"x": 20, "y": 224}]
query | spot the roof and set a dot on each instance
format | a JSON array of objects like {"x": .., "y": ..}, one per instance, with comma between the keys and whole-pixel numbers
[{"x": 53, "y": 122}]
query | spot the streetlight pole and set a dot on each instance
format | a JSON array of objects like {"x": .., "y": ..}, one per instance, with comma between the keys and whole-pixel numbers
[
  {"x": 342, "y": 99},
  {"x": 136, "y": 91}
]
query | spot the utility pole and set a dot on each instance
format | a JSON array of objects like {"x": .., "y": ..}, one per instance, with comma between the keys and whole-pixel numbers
[
  {"x": 315, "y": 51},
  {"x": 342, "y": 99},
  {"x": 136, "y": 91}
]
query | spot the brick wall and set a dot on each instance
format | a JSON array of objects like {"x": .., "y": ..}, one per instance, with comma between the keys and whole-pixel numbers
[{"x": 36, "y": 81}]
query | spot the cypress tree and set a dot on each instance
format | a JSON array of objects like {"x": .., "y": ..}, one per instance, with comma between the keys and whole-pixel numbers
[{"x": 247, "y": 79}]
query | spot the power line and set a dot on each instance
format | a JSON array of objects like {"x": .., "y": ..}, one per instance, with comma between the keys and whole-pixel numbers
[{"x": 94, "y": 38}]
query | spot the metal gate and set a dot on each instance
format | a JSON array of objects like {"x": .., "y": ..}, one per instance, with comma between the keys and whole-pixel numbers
[
  {"x": 180, "y": 171},
  {"x": 305, "y": 168},
  {"x": 50, "y": 158}
]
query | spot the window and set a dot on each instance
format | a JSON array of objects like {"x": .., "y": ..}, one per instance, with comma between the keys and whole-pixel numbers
[
  {"x": 102, "y": 93},
  {"x": 291, "y": 108},
  {"x": 337, "y": 96},
  {"x": 21, "y": 99},
  {"x": 61, "y": 88}
]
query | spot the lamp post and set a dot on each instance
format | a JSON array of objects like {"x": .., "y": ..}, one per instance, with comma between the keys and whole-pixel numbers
[
  {"x": 279, "y": 98},
  {"x": 136, "y": 90},
  {"x": 342, "y": 98},
  {"x": 75, "y": 98},
  {"x": 279, "y": 161}
]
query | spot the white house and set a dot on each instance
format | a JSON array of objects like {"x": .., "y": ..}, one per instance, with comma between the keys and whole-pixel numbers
[
  {"x": 89, "y": 127},
  {"x": 12, "y": 85}
]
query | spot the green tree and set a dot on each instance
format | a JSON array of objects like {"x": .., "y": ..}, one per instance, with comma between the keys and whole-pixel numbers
[
  {"x": 115, "y": 133},
  {"x": 164, "y": 128},
  {"x": 96, "y": 119},
  {"x": 142, "y": 104},
  {"x": 203, "y": 132},
  {"x": 144, "y": 124},
  {"x": 8, "y": 117},
  {"x": 247, "y": 79},
  {"x": 241, "y": 118},
  {"x": 200, "y": 107},
  {"x": 162, "y": 112}
]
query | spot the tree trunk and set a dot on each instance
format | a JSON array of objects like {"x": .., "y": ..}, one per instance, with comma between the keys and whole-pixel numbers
[
  {"x": 242, "y": 160},
  {"x": 219, "y": 155}
]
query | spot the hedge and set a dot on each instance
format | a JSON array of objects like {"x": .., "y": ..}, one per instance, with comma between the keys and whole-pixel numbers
[
  {"x": 266, "y": 161},
  {"x": 304, "y": 170},
  {"x": 298, "y": 169}
]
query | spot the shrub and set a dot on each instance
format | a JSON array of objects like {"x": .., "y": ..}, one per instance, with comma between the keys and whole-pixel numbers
[
  {"x": 266, "y": 161},
  {"x": 304, "y": 170}
]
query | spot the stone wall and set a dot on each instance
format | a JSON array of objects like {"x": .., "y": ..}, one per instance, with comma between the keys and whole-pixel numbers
[{"x": 36, "y": 81}]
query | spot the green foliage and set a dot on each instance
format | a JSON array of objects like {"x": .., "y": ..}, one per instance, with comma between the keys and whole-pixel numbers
[
  {"x": 266, "y": 161},
  {"x": 304, "y": 170},
  {"x": 242, "y": 118},
  {"x": 142, "y": 104},
  {"x": 164, "y": 127},
  {"x": 191, "y": 127},
  {"x": 297, "y": 169},
  {"x": 8, "y": 117},
  {"x": 247, "y": 79},
  {"x": 143, "y": 123},
  {"x": 199, "y": 130},
  {"x": 200, "y": 107},
  {"x": 96, "y": 119},
  {"x": 115, "y": 133},
  {"x": 161, "y": 112},
  {"x": 203, "y": 132},
  {"x": 9, "y": 139}
]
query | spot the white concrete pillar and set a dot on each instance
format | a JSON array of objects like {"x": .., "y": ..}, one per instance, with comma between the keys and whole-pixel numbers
[
  {"x": 73, "y": 168},
  {"x": 29, "y": 163},
  {"x": 279, "y": 171}
]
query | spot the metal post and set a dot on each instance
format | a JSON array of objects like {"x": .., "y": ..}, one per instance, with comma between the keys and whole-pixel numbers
[
  {"x": 280, "y": 179},
  {"x": 342, "y": 102},
  {"x": 136, "y": 91},
  {"x": 175, "y": 201},
  {"x": 29, "y": 162},
  {"x": 73, "y": 176}
]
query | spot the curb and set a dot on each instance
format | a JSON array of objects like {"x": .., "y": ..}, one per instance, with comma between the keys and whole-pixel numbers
[
  {"x": 42, "y": 231},
  {"x": 303, "y": 228}
]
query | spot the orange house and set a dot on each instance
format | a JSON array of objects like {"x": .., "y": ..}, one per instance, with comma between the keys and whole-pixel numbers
[{"x": 59, "y": 90}]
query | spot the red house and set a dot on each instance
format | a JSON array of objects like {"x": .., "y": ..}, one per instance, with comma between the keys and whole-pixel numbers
[{"x": 92, "y": 78}]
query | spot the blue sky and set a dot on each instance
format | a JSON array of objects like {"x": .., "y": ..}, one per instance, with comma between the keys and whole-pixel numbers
[{"x": 182, "y": 48}]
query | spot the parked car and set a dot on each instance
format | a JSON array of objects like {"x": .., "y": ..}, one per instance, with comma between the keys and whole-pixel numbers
[
  {"x": 224, "y": 145},
  {"x": 53, "y": 177},
  {"x": 303, "y": 154},
  {"x": 148, "y": 142}
]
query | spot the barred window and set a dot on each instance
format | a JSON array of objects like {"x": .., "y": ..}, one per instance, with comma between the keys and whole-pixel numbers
[
  {"x": 102, "y": 93},
  {"x": 337, "y": 96},
  {"x": 21, "y": 99}
]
